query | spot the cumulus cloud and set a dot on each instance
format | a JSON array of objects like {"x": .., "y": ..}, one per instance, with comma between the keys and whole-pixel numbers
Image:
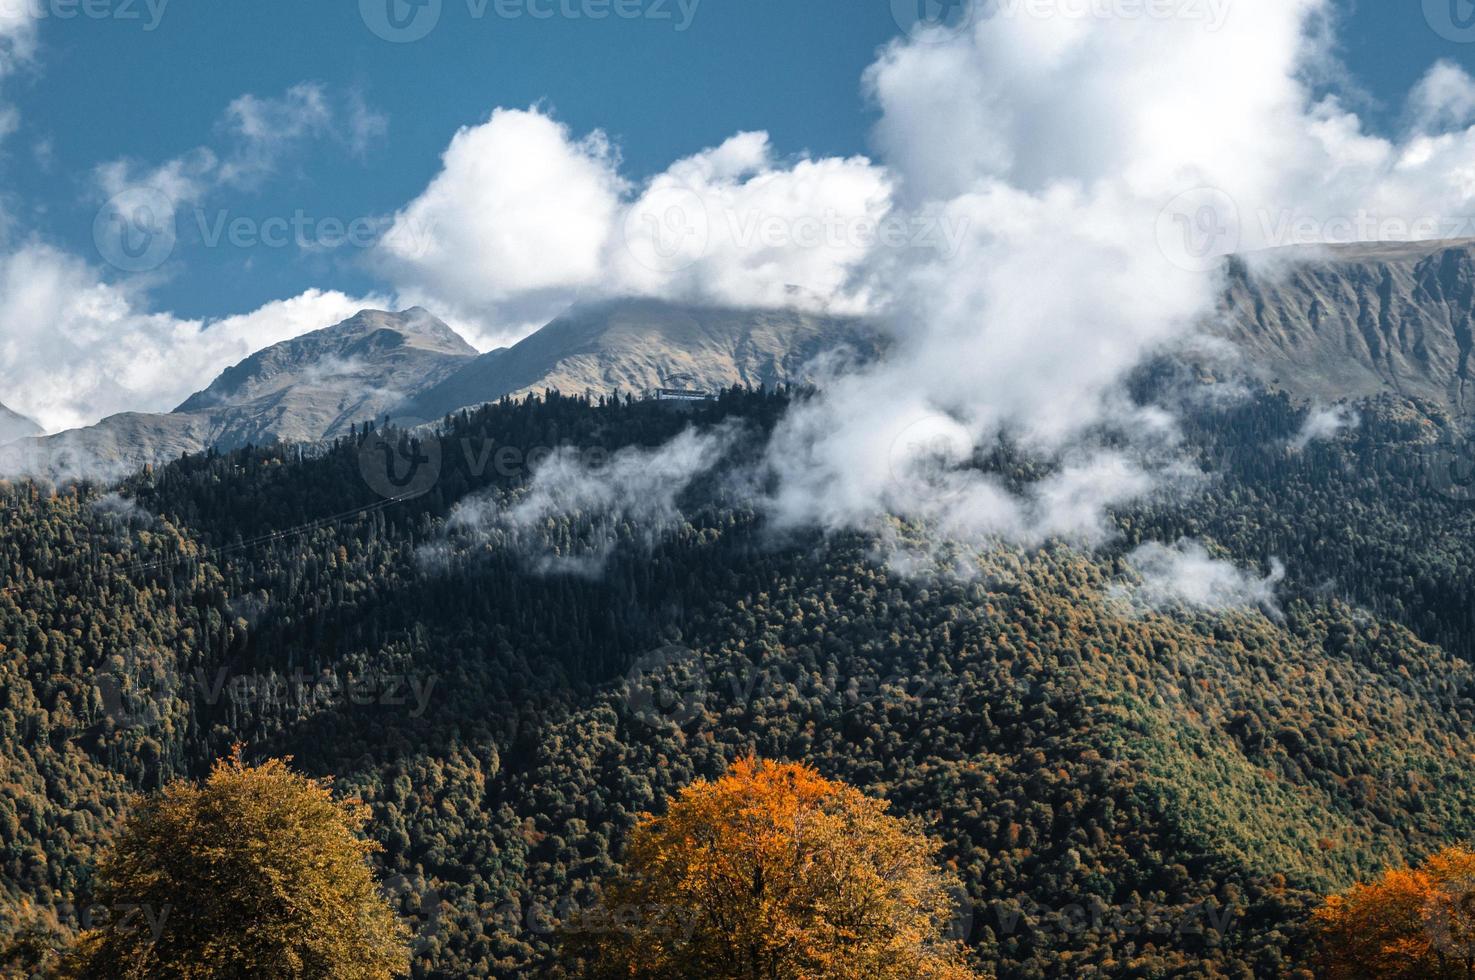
[
  {"x": 525, "y": 218},
  {"x": 77, "y": 348},
  {"x": 1051, "y": 199},
  {"x": 1066, "y": 183},
  {"x": 1186, "y": 574},
  {"x": 1100, "y": 167},
  {"x": 264, "y": 128},
  {"x": 733, "y": 225},
  {"x": 1443, "y": 99},
  {"x": 516, "y": 223}
]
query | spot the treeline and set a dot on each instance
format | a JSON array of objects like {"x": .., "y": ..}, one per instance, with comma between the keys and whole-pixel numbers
[{"x": 1122, "y": 793}]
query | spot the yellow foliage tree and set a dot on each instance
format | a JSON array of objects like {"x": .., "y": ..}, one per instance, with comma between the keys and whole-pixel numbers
[
  {"x": 260, "y": 872},
  {"x": 1417, "y": 924},
  {"x": 773, "y": 871}
]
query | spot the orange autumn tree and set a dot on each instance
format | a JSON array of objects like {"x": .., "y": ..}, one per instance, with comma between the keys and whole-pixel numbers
[
  {"x": 1417, "y": 924},
  {"x": 773, "y": 871}
]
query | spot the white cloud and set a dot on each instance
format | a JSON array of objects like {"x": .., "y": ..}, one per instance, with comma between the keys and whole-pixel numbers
[
  {"x": 525, "y": 218},
  {"x": 263, "y": 129},
  {"x": 1443, "y": 99},
  {"x": 1053, "y": 153},
  {"x": 17, "y": 48},
  {"x": 1185, "y": 574},
  {"x": 1324, "y": 423},
  {"x": 257, "y": 134},
  {"x": 516, "y": 222},
  {"x": 365, "y": 125},
  {"x": 77, "y": 348},
  {"x": 607, "y": 500},
  {"x": 732, "y": 225},
  {"x": 1064, "y": 146}
]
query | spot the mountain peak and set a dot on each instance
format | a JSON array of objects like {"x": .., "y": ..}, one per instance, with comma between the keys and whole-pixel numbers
[
  {"x": 14, "y": 425},
  {"x": 418, "y": 327}
]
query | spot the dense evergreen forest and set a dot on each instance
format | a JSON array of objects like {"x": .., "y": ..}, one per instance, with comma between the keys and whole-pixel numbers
[{"x": 1124, "y": 791}]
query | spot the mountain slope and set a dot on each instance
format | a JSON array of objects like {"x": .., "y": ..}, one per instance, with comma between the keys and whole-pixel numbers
[
  {"x": 1353, "y": 321},
  {"x": 635, "y": 345},
  {"x": 306, "y": 389},
  {"x": 14, "y": 425},
  {"x": 1166, "y": 789}
]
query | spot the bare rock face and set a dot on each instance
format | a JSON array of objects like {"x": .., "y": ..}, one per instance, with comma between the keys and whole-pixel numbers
[
  {"x": 1353, "y": 321},
  {"x": 633, "y": 346}
]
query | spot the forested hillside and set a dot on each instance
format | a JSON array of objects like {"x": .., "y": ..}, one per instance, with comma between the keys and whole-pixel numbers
[{"x": 1124, "y": 790}]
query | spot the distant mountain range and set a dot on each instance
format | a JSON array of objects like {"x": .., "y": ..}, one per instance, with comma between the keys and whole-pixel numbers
[
  {"x": 1325, "y": 323},
  {"x": 413, "y": 367}
]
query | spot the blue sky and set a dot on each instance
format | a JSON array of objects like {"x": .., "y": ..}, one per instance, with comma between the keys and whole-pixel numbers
[
  {"x": 107, "y": 87},
  {"x": 497, "y": 160}
]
